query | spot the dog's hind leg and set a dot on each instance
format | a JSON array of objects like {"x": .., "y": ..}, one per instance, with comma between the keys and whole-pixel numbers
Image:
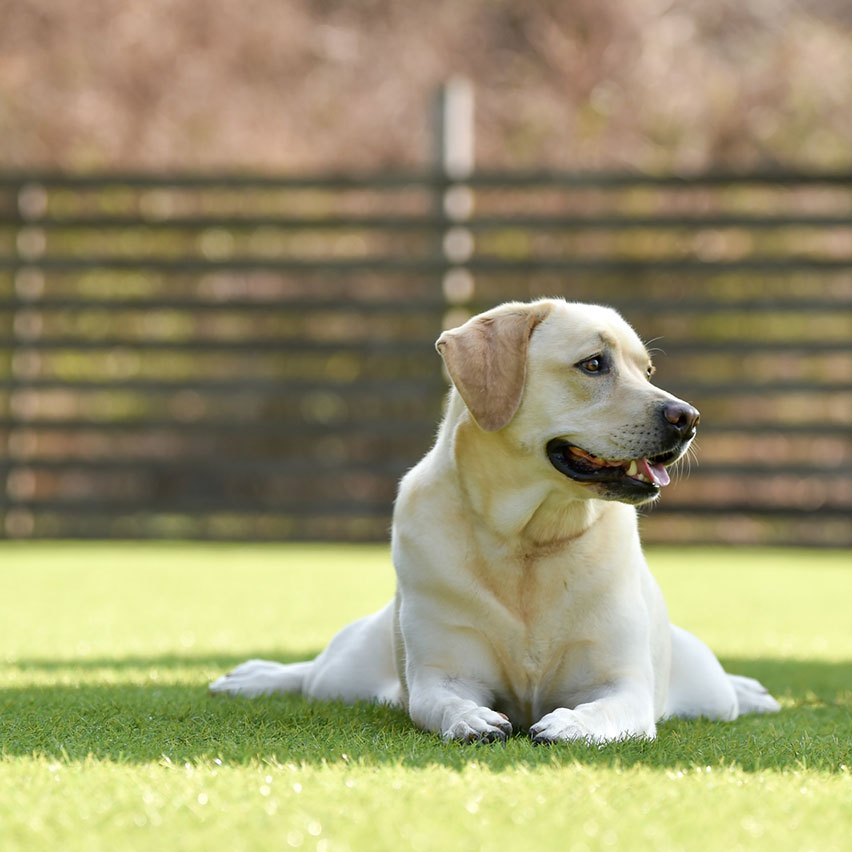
[
  {"x": 358, "y": 664},
  {"x": 699, "y": 686},
  {"x": 262, "y": 677}
]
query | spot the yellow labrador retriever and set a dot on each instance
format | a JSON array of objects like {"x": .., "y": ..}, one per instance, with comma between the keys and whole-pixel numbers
[{"x": 524, "y": 600}]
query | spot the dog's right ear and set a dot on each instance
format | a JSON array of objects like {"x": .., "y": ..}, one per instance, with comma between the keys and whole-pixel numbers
[{"x": 487, "y": 361}]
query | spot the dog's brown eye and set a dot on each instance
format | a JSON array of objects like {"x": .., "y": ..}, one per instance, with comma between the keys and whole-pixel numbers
[{"x": 597, "y": 364}]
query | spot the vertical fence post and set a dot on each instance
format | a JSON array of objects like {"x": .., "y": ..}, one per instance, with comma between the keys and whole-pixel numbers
[
  {"x": 454, "y": 199},
  {"x": 27, "y": 284},
  {"x": 7, "y": 468}
]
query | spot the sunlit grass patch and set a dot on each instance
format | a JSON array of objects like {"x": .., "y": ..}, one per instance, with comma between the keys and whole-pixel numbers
[{"x": 110, "y": 741}]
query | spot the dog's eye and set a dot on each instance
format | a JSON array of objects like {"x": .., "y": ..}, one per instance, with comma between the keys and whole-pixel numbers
[
  {"x": 650, "y": 371},
  {"x": 595, "y": 364}
]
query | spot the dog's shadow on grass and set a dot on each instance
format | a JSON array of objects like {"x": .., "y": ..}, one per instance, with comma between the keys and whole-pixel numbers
[{"x": 162, "y": 712}]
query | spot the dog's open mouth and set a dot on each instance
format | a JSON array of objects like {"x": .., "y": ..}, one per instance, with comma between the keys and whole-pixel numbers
[{"x": 582, "y": 466}]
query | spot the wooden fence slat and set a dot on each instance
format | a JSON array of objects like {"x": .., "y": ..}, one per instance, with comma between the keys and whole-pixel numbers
[{"x": 252, "y": 356}]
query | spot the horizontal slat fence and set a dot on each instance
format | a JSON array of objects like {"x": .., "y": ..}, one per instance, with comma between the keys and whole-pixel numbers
[{"x": 251, "y": 357}]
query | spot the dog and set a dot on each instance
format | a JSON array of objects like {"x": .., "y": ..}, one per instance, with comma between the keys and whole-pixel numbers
[{"x": 524, "y": 601}]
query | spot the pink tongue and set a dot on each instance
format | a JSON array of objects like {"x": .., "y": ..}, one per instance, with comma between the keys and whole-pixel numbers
[{"x": 655, "y": 472}]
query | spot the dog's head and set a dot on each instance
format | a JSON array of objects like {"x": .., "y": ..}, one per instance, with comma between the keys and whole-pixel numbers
[{"x": 570, "y": 385}]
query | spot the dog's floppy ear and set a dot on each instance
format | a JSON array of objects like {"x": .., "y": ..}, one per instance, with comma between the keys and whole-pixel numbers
[{"x": 487, "y": 361}]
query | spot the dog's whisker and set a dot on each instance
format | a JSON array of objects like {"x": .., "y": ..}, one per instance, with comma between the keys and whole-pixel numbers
[{"x": 689, "y": 457}]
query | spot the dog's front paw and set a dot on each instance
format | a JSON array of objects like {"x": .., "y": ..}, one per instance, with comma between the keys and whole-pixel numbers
[
  {"x": 481, "y": 724},
  {"x": 252, "y": 678},
  {"x": 562, "y": 724},
  {"x": 576, "y": 725}
]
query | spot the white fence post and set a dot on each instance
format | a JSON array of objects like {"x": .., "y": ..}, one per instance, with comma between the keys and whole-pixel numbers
[{"x": 455, "y": 163}]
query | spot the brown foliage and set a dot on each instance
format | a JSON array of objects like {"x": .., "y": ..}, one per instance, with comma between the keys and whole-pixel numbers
[{"x": 300, "y": 85}]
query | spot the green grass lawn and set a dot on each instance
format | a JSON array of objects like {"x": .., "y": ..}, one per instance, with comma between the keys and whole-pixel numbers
[{"x": 108, "y": 739}]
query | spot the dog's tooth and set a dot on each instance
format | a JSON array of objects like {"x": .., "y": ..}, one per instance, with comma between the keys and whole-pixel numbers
[{"x": 632, "y": 468}]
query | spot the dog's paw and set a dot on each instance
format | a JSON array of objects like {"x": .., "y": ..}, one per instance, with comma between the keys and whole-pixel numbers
[
  {"x": 752, "y": 696},
  {"x": 252, "y": 678},
  {"x": 562, "y": 724},
  {"x": 480, "y": 724},
  {"x": 568, "y": 725}
]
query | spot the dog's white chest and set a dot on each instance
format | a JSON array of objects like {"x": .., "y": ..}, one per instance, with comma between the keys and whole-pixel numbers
[{"x": 528, "y": 613}]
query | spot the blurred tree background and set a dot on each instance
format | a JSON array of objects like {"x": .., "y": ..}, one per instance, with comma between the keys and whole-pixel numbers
[
  {"x": 656, "y": 85},
  {"x": 225, "y": 251}
]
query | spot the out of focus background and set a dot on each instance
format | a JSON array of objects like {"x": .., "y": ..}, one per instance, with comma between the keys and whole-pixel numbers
[{"x": 231, "y": 232}]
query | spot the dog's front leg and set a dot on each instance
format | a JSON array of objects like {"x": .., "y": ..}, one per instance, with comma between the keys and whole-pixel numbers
[
  {"x": 454, "y": 707},
  {"x": 625, "y": 712}
]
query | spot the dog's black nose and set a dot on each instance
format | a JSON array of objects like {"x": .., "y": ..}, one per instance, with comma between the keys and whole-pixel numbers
[{"x": 681, "y": 417}]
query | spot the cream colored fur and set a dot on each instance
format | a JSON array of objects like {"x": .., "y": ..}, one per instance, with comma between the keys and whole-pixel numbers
[{"x": 524, "y": 600}]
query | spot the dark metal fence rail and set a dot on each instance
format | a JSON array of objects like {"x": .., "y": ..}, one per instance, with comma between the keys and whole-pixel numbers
[{"x": 251, "y": 356}]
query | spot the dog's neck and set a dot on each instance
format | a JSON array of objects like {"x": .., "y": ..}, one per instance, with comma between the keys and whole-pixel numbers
[{"x": 507, "y": 493}]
